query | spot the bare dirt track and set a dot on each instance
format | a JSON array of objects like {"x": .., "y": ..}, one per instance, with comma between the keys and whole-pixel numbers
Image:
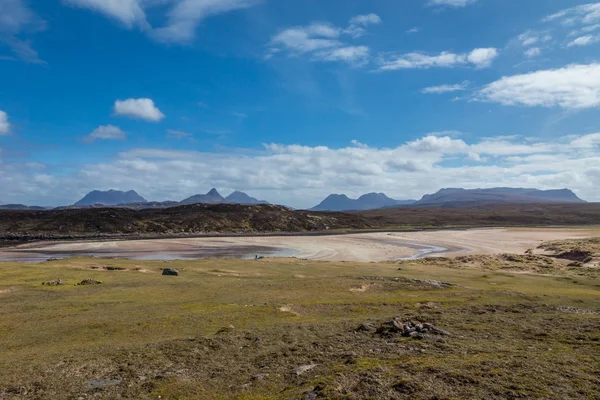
[{"x": 366, "y": 247}]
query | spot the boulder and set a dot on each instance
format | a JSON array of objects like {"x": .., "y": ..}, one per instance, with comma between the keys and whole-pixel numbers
[
  {"x": 170, "y": 272},
  {"x": 89, "y": 282}
]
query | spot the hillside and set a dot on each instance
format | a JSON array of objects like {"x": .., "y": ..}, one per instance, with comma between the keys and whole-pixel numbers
[
  {"x": 194, "y": 219},
  {"x": 502, "y": 214},
  {"x": 201, "y": 219}
]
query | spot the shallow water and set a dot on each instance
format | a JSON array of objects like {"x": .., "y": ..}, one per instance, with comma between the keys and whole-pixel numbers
[{"x": 240, "y": 252}]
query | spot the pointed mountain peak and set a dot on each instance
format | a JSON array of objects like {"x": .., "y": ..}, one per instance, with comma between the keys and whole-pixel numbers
[{"x": 214, "y": 192}]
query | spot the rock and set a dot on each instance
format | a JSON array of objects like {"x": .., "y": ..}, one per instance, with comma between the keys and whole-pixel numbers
[
  {"x": 170, "y": 272},
  {"x": 89, "y": 282},
  {"x": 365, "y": 327},
  {"x": 54, "y": 283},
  {"x": 440, "y": 332},
  {"x": 226, "y": 329},
  {"x": 311, "y": 396},
  {"x": 304, "y": 369},
  {"x": 393, "y": 326}
]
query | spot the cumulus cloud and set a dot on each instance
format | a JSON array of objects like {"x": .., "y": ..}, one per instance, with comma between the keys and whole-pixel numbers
[
  {"x": 17, "y": 20},
  {"x": 139, "y": 109},
  {"x": 324, "y": 41},
  {"x": 182, "y": 16},
  {"x": 478, "y": 58},
  {"x": 106, "y": 132},
  {"x": 446, "y": 88},
  {"x": 301, "y": 176},
  {"x": 482, "y": 58},
  {"x": 4, "y": 124},
  {"x": 572, "y": 87}
]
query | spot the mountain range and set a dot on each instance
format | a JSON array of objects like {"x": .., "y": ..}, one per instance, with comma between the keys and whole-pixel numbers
[
  {"x": 133, "y": 200},
  {"x": 447, "y": 198},
  {"x": 370, "y": 201}
]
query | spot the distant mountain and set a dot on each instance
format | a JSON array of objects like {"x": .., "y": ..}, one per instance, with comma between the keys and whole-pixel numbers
[
  {"x": 454, "y": 196},
  {"x": 212, "y": 197},
  {"x": 20, "y": 207},
  {"x": 111, "y": 197},
  {"x": 371, "y": 201},
  {"x": 242, "y": 198}
]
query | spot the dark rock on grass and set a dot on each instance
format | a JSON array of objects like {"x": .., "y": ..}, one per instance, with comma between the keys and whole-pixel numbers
[
  {"x": 170, "y": 272},
  {"x": 89, "y": 282},
  {"x": 412, "y": 329},
  {"x": 57, "y": 282}
]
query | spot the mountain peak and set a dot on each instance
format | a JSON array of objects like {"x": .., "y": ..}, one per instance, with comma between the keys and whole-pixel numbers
[
  {"x": 238, "y": 197},
  {"x": 214, "y": 192}
]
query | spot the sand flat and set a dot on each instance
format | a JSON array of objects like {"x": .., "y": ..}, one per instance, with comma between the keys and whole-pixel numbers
[{"x": 366, "y": 247}]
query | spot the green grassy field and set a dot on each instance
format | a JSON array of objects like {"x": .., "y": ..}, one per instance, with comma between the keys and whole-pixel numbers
[{"x": 513, "y": 334}]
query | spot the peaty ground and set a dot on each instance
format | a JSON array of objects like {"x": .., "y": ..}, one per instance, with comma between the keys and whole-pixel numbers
[{"x": 287, "y": 329}]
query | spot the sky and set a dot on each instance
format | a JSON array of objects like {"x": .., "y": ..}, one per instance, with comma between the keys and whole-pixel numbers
[{"x": 292, "y": 100}]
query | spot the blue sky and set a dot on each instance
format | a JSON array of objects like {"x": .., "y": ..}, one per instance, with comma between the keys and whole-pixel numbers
[{"x": 293, "y": 100}]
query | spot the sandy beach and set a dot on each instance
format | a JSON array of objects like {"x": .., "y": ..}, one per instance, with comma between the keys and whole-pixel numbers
[{"x": 353, "y": 247}]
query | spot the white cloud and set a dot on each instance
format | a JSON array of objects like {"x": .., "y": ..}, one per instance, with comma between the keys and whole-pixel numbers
[
  {"x": 451, "y": 3},
  {"x": 574, "y": 86},
  {"x": 584, "y": 14},
  {"x": 530, "y": 38},
  {"x": 479, "y": 58},
  {"x": 584, "y": 41},
  {"x": 186, "y": 15},
  {"x": 446, "y": 88},
  {"x": 16, "y": 20},
  {"x": 413, "y": 30},
  {"x": 300, "y": 40},
  {"x": 182, "y": 16},
  {"x": 350, "y": 54},
  {"x": 139, "y": 109},
  {"x": 533, "y": 52},
  {"x": 323, "y": 41},
  {"x": 129, "y": 12},
  {"x": 366, "y": 20},
  {"x": 301, "y": 176},
  {"x": 4, "y": 124},
  {"x": 357, "y": 25},
  {"x": 482, "y": 58},
  {"x": 106, "y": 132}
]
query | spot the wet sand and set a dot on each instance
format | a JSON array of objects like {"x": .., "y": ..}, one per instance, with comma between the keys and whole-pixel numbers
[{"x": 353, "y": 247}]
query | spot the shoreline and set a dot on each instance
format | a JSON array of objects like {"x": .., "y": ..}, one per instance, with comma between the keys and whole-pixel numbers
[{"x": 349, "y": 246}]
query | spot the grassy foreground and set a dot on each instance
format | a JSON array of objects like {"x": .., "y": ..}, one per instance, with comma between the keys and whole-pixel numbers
[{"x": 286, "y": 329}]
